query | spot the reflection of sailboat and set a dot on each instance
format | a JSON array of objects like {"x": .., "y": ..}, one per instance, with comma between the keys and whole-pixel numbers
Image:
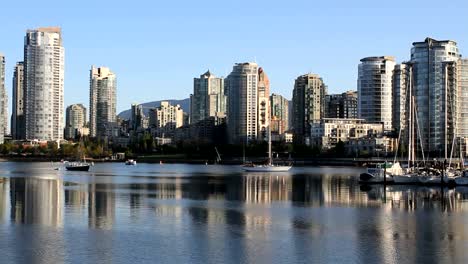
[{"x": 269, "y": 167}]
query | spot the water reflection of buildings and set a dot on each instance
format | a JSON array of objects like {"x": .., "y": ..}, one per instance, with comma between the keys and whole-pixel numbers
[
  {"x": 404, "y": 237},
  {"x": 411, "y": 198},
  {"x": 326, "y": 190},
  {"x": 3, "y": 199},
  {"x": 169, "y": 190},
  {"x": 76, "y": 197},
  {"x": 36, "y": 201},
  {"x": 101, "y": 206}
]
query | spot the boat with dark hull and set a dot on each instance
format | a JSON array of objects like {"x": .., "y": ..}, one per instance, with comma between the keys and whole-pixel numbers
[{"x": 77, "y": 166}]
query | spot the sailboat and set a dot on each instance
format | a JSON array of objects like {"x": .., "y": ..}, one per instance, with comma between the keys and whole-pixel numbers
[
  {"x": 82, "y": 165},
  {"x": 77, "y": 166},
  {"x": 269, "y": 167},
  {"x": 429, "y": 174},
  {"x": 461, "y": 179},
  {"x": 412, "y": 174}
]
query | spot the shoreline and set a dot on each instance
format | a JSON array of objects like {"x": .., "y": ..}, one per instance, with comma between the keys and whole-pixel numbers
[{"x": 300, "y": 162}]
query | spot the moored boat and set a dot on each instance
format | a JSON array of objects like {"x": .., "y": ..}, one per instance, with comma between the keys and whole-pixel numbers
[
  {"x": 77, "y": 166},
  {"x": 375, "y": 173},
  {"x": 130, "y": 162},
  {"x": 406, "y": 179},
  {"x": 266, "y": 168},
  {"x": 269, "y": 167}
]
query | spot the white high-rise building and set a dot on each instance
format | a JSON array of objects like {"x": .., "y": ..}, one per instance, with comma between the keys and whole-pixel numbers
[
  {"x": 375, "y": 90},
  {"x": 43, "y": 83},
  {"x": 102, "y": 101},
  {"x": 3, "y": 100},
  {"x": 242, "y": 114}
]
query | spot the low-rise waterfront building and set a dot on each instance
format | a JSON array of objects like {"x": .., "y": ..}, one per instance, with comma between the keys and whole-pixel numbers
[
  {"x": 370, "y": 146},
  {"x": 329, "y": 131}
]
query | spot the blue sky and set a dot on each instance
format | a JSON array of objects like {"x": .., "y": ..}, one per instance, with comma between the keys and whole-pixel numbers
[{"x": 157, "y": 47}]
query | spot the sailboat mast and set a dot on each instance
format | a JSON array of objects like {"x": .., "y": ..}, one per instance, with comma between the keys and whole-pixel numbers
[
  {"x": 270, "y": 157},
  {"x": 461, "y": 154},
  {"x": 410, "y": 118},
  {"x": 445, "y": 117}
]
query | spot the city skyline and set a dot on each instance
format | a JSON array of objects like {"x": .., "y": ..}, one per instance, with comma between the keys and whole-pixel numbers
[{"x": 289, "y": 48}]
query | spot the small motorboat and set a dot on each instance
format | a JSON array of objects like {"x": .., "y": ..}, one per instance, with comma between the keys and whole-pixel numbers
[{"x": 130, "y": 162}]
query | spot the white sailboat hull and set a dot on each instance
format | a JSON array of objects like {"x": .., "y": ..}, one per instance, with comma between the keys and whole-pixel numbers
[
  {"x": 406, "y": 179},
  {"x": 266, "y": 168}
]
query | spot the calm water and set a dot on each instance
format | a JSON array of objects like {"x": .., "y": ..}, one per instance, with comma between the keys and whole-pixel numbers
[{"x": 153, "y": 213}]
